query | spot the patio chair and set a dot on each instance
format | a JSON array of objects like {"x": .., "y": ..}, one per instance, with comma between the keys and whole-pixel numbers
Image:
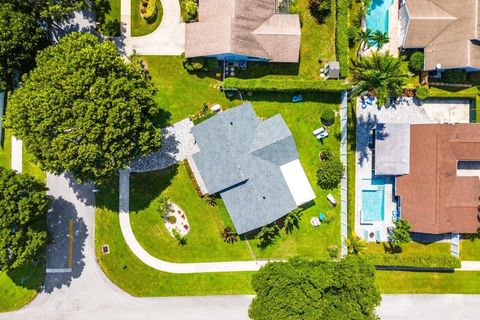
[
  {"x": 394, "y": 215},
  {"x": 331, "y": 199},
  {"x": 322, "y": 135},
  {"x": 365, "y": 235},
  {"x": 377, "y": 236},
  {"x": 314, "y": 221},
  {"x": 316, "y": 132}
]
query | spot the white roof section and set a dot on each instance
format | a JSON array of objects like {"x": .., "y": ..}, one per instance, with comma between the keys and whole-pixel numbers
[
  {"x": 297, "y": 182},
  {"x": 392, "y": 149}
]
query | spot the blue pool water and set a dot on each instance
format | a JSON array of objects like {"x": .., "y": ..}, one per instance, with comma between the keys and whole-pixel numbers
[
  {"x": 377, "y": 17},
  {"x": 373, "y": 201}
]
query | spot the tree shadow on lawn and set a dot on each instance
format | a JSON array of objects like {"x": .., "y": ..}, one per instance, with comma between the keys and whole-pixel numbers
[{"x": 147, "y": 186}]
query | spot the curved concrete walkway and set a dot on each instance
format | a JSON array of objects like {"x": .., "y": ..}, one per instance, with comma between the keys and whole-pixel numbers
[
  {"x": 165, "y": 266},
  {"x": 167, "y": 39}
]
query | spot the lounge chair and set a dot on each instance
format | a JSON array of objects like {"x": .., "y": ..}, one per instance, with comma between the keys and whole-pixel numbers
[
  {"x": 318, "y": 131},
  {"x": 394, "y": 215},
  {"x": 331, "y": 199},
  {"x": 365, "y": 235},
  {"x": 314, "y": 221},
  {"x": 322, "y": 135},
  {"x": 377, "y": 236}
]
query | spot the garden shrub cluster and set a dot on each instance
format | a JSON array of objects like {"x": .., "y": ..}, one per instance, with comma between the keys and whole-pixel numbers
[
  {"x": 320, "y": 9},
  {"x": 416, "y": 62},
  {"x": 189, "y": 10},
  {"x": 341, "y": 36},
  {"x": 455, "y": 76},
  {"x": 272, "y": 85},
  {"x": 149, "y": 9},
  {"x": 421, "y": 93},
  {"x": 328, "y": 117},
  {"x": 444, "y": 261},
  {"x": 330, "y": 173},
  {"x": 293, "y": 7}
]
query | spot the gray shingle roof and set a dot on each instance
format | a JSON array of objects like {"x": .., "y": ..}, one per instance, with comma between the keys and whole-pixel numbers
[{"x": 240, "y": 158}]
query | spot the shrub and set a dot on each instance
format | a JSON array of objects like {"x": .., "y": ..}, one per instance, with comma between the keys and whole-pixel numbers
[
  {"x": 320, "y": 9},
  {"x": 182, "y": 240},
  {"x": 455, "y": 76},
  {"x": 172, "y": 219},
  {"x": 291, "y": 86},
  {"x": 293, "y": 7},
  {"x": 353, "y": 34},
  {"x": 333, "y": 251},
  {"x": 401, "y": 232},
  {"x": 421, "y": 93},
  {"x": 228, "y": 235},
  {"x": 111, "y": 28},
  {"x": 355, "y": 244},
  {"x": 326, "y": 155},
  {"x": 328, "y": 117},
  {"x": 341, "y": 36},
  {"x": 150, "y": 12},
  {"x": 189, "y": 10},
  {"x": 416, "y": 62},
  {"x": 330, "y": 173},
  {"x": 193, "y": 64},
  {"x": 446, "y": 261}
]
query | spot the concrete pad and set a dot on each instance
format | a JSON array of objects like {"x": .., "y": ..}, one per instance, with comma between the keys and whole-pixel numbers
[{"x": 448, "y": 110}]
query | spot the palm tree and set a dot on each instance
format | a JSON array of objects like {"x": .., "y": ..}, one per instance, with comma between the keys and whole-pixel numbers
[
  {"x": 364, "y": 36},
  {"x": 228, "y": 235},
  {"x": 292, "y": 220},
  {"x": 381, "y": 73},
  {"x": 401, "y": 232},
  {"x": 379, "y": 39},
  {"x": 355, "y": 244}
]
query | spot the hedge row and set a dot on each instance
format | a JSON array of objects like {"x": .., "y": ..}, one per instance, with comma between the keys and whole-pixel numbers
[
  {"x": 444, "y": 261},
  {"x": 469, "y": 93},
  {"x": 271, "y": 85},
  {"x": 341, "y": 36}
]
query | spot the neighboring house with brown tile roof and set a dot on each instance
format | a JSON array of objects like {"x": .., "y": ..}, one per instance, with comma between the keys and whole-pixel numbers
[
  {"x": 447, "y": 30},
  {"x": 435, "y": 196},
  {"x": 243, "y": 30}
]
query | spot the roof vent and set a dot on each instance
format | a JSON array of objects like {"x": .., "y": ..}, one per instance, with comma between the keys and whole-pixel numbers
[
  {"x": 231, "y": 123},
  {"x": 263, "y": 197}
]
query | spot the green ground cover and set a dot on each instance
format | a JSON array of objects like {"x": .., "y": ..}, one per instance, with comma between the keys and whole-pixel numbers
[
  {"x": 470, "y": 249},
  {"x": 18, "y": 287},
  {"x": 6, "y": 150},
  {"x": 140, "y": 26},
  {"x": 391, "y": 282},
  {"x": 133, "y": 276},
  {"x": 410, "y": 248}
]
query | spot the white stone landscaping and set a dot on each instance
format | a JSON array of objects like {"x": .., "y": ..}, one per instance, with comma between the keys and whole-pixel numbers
[{"x": 181, "y": 222}]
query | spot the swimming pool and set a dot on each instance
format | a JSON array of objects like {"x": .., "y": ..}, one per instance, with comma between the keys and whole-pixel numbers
[
  {"x": 377, "y": 17},
  {"x": 373, "y": 202}
]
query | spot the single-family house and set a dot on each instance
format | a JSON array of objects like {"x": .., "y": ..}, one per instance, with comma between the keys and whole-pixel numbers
[
  {"x": 437, "y": 169},
  {"x": 252, "y": 164},
  {"x": 244, "y": 30},
  {"x": 447, "y": 31}
]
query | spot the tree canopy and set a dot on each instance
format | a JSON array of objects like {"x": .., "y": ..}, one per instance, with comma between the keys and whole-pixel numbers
[
  {"x": 301, "y": 289},
  {"x": 330, "y": 173},
  {"x": 381, "y": 73},
  {"x": 23, "y": 213},
  {"x": 85, "y": 110},
  {"x": 20, "y": 39}
]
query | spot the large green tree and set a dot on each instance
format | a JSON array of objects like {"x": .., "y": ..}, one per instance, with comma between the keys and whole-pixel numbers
[
  {"x": 381, "y": 73},
  {"x": 20, "y": 39},
  {"x": 86, "y": 110},
  {"x": 23, "y": 219},
  {"x": 307, "y": 290}
]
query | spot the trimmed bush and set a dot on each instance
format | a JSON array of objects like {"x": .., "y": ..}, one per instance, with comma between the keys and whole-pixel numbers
[
  {"x": 421, "y": 93},
  {"x": 445, "y": 261},
  {"x": 189, "y": 10},
  {"x": 328, "y": 117},
  {"x": 172, "y": 219},
  {"x": 320, "y": 9},
  {"x": 193, "y": 64},
  {"x": 341, "y": 36},
  {"x": 149, "y": 10},
  {"x": 416, "y": 62},
  {"x": 271, "y": 85},
  {"x": 330, "y": 173},
  {"x": 455, "y": 76}
]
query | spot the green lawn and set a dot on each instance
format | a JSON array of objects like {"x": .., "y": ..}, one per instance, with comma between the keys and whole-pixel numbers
[
  {"x": 140, "y": 26},
  {"x": 470, "y": 250},
  {"x": 411, "y": 248},
  {"x": 6, "y": 150},
  {"x": 130, "y": 274},
  {"x": 391, "y": 282},
  {"x": 180, "y": 93},
  {"x": 114, "y": 13},
  {"x": 19, "y": 287}
]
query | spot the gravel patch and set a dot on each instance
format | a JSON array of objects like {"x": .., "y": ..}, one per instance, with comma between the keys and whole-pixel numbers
[{"x": 178, "y": 144}]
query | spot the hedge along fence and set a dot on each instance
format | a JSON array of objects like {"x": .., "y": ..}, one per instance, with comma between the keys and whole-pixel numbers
[
  {"x": 272, "y": 85},
  {"x": 429, "y": 261},
  {"x": 341, "y": 36}
]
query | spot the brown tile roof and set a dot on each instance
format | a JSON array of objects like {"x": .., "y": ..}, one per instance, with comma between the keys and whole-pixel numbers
[
  {"x": 445, "y": 29},
  {"x": 433, "y": 198},
  {"x": 244, "y": 27}
]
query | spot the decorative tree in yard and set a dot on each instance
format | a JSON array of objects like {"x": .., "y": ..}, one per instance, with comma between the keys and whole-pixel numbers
[
  {"x": 23, "y": 219},
  {"x": 85, "y": 110},
  {"x": 301, "y": 290},
  {"x": 355, "y": 244},
  {"x": 381, "y": 73},
  {"x": 228, "y": 235},
  {"x": 20, "y": 39},
  {"x": 401, "y": 232},
  {"x": 330, "y": 173},
  {"x": 379, "y": 38},
  {"x": 293, "y": 220}
]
